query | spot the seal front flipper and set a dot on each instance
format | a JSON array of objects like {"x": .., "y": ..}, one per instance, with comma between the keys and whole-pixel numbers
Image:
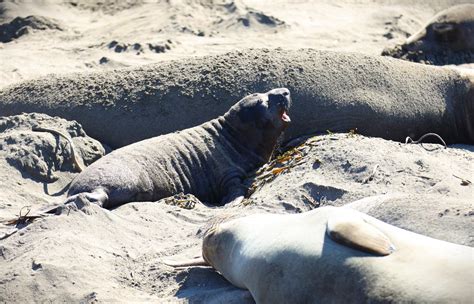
[
  {"x": 355, "y": 232},
  {"x": 234, "y": 197},
  {"x": 235, "y": 190},
  {"x": 79, "y": 201}
]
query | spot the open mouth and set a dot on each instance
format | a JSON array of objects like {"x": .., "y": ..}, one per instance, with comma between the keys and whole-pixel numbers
[{"x": 284, "y": 116}]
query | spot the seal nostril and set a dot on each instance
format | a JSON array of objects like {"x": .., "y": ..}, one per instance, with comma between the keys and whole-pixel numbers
[{"x": 285, "y": 93}]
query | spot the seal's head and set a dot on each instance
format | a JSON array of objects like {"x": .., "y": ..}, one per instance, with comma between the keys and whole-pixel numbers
[
  {"x": 279, "y": 101},
  {"x": 210, "y": 243},
  {"x": 259, "y": 119},
  {"x": 450, "y": 29},
  {"x": 263, "y": 111},
  {"x": 220, "y": 245},
  {"x": 448, "y": 38}
]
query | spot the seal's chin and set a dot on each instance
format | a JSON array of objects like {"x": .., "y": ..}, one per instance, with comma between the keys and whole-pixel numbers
[{"x": 284, "y": 116}]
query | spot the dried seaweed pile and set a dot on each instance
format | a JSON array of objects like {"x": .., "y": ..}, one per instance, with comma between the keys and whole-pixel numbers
[{"x": 291, "y": 157}]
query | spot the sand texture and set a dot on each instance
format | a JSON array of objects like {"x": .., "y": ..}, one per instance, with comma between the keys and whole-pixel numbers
[
  {"x": 116, "y": 255},
  {"x": 94, "y": 34},
  {"x": 110, "y": 73}
]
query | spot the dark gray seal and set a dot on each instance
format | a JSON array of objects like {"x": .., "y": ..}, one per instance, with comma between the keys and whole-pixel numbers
[
  {"x": 334, "y": 91},
  {"x": 448, "y": 38},
  {"x": 209, "y": 161}
]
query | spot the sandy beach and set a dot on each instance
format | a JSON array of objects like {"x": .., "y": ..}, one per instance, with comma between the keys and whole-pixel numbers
[{"x": 112, "y": 73}]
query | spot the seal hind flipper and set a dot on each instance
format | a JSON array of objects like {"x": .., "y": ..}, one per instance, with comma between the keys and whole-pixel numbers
[
  {"x": 188, "y": 263},
  {"x": 358, "y": 234}
]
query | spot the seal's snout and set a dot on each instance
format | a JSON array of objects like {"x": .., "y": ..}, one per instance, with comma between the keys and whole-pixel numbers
[{"x": 281, "y": 99}]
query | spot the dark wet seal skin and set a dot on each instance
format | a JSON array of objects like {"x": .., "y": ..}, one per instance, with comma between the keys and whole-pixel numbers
[
  {"x": 209, "y": 161},
  {"x": 448, "y": 38}
]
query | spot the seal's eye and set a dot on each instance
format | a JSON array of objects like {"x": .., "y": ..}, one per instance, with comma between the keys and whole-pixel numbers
[
  {"x": 442, "y": 27},
  {"x": 445, "y": 32},
  {"x": 279, "y": 99}
]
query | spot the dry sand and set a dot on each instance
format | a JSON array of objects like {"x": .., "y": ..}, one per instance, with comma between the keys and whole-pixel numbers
[
  {"x": 115, "y": 255},
  {"x": 194, "y": 28}
]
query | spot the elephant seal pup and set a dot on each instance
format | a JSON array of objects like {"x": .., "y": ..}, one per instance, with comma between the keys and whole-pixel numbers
[
  {"x": 448, "y": 38},
  {"x": 336, "y": 255},
  {"x": 209, "y": 161}
]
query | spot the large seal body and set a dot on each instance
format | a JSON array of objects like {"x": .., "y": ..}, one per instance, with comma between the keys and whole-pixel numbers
[
  {"x": 209, "y": 161},
  {"x": 295, "y": 258},
  {"x": 333, "y": 91},
  {"x": 448, "y": 38}
]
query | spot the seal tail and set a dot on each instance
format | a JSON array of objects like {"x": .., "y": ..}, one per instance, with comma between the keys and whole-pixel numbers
[{"x": 188, "y": 263}]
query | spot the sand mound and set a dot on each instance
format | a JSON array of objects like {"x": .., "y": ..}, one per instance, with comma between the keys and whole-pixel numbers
[
  {"x": 240, "y": 15},
  {"x": 104, "y": 256},
  {"x": 211, "y": 18},
  {"x": 199, "y": 18},
  {"x": 109, "y": 7},
  {"x": 30, "y": 160},
  {"x": 22, "y": 26},
  {"x": 419, "y": 183}
]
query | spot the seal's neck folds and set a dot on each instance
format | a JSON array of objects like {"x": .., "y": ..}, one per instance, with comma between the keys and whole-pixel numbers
[{"x": 251, "y": 141}]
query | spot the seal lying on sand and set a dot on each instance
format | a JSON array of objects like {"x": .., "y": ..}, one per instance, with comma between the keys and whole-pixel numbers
[
  {"x": 209, "y": 161},
  {"x": 335, "y": 91},
  {"x": 448, "y": 38},
  {"x": 336, "y": 255}
]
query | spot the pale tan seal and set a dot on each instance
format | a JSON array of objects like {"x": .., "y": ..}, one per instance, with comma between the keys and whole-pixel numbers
[{"x": 336, "y": 255}]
